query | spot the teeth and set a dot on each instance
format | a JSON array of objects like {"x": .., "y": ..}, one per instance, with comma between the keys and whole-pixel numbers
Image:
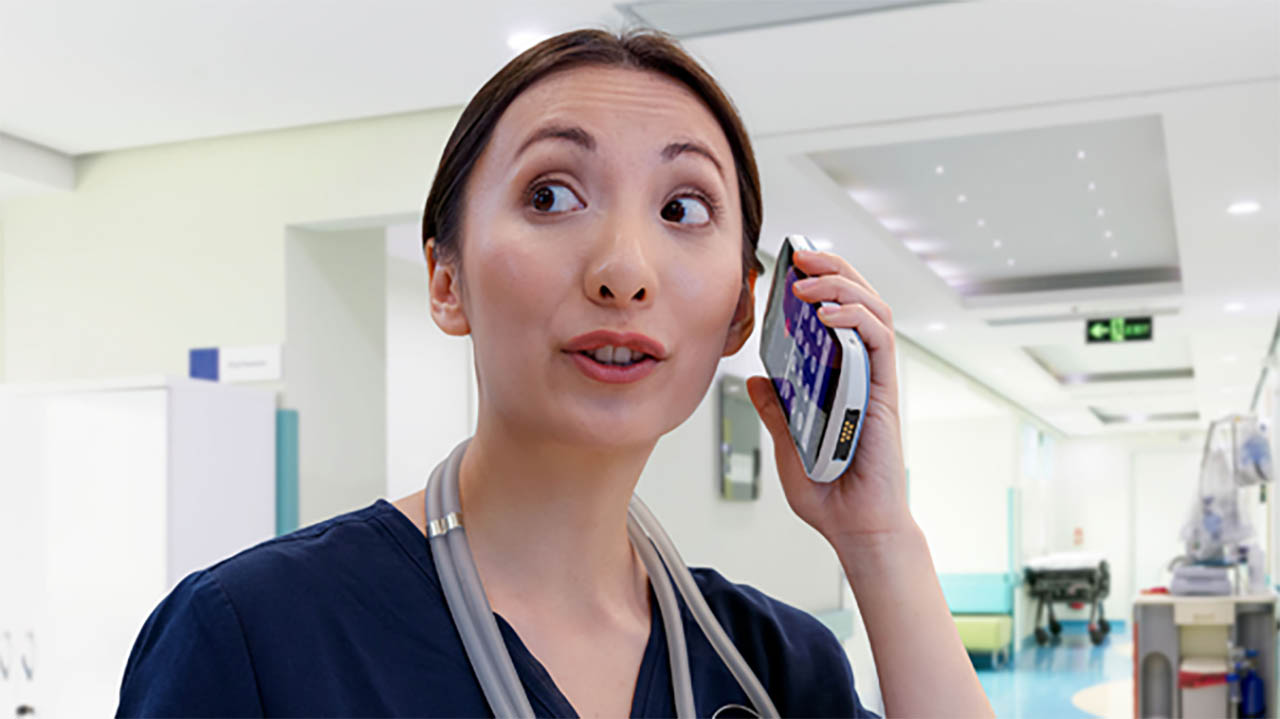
[{"x": 617, "y": 355}]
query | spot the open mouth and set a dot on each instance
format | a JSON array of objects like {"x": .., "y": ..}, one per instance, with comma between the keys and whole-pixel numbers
[{"x": 615, "y": 356}]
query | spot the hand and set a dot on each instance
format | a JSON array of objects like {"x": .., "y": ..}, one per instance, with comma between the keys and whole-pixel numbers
[{"x": 869, "y": 500}]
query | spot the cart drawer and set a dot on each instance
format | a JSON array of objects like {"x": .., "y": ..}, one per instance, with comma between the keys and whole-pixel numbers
[{"x": 1203, "y": 612}]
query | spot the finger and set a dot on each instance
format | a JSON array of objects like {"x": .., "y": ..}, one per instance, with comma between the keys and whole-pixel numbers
[
  {"x": 841, "y": 289},
  {"x": 760, "y": 389},
  {"x": 762, "y": 394},
  {"x": 823, "y": 263},
  {"x": 878, "y": 338}
]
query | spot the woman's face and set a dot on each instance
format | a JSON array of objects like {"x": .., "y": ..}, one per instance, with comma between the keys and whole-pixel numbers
[{"x": 604, "y": 213}]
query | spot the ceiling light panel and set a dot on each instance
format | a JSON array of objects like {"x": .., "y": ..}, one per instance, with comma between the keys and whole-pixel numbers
[
  {"x": 1025, "y": 210},
  {"x": 1106, "y": 358}
]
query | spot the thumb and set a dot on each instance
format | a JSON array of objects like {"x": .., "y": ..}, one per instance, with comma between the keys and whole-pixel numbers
[{"x": 775, "y": 420}]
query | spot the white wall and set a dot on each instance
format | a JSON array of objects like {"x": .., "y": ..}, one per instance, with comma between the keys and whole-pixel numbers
[
  {"x": 166, "y": 248},
  {"x": 2, "y": 284},
  {"x": 1165, "y": 481},
  {"x": 335, "y": 367},
  {"x": 962, "y": 457},
  {"x": 1129, "y": 494},
  {"x": 961, "y": 472},
  {"x": 1092, "y": 490},
  {"x": 429, "y": 402}
]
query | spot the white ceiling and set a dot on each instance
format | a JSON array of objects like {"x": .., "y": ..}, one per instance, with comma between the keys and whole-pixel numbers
[
  {"x": 1068, "y": 205},
  {"x": 80, "y": 76}
]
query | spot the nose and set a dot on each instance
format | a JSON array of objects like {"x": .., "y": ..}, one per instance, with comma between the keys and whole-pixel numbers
[{"x": 620, "y": 273}]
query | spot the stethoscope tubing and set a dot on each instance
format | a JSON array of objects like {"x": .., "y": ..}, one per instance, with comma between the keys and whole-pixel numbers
[{"x": 473, "y": 615}]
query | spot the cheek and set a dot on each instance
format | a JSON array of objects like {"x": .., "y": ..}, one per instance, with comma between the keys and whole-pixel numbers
[
  {"x": 511, "y": 290},
  {"x": 706, "y": 294}
]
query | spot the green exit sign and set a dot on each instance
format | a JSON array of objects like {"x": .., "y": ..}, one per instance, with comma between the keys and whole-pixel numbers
[{"x": 1118, "y": 329}]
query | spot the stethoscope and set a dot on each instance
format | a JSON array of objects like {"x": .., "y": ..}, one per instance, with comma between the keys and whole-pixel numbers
[{"x": 473, "y": 616}]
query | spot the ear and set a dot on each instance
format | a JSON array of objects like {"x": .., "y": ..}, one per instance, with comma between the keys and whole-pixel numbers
[
  {"x": 744, "y": 317},
  {"x": 445, "y": 290}
]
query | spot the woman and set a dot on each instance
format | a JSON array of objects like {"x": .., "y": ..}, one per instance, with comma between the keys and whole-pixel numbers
[{"x": 592, "y": 226}]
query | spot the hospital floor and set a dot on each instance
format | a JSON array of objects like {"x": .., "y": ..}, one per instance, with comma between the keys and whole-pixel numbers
[{"x": 1068, "y": 679}]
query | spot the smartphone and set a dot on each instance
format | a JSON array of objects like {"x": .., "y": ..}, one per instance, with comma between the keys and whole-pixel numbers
[{"x": 821, "y": 374}]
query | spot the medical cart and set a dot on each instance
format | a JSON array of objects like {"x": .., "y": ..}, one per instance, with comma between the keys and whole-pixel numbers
[{"x": 1174, "y": 635}]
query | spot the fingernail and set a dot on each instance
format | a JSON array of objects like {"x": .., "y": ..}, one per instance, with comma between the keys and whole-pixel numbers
[{"x": 804, "y": 284}]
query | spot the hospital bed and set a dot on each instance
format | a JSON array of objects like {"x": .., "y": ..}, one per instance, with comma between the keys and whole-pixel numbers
[{"x": 1076, "y": 578}]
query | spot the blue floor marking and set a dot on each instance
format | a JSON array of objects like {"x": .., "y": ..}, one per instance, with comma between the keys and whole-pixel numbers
[{"x": 1041, "y": 680}]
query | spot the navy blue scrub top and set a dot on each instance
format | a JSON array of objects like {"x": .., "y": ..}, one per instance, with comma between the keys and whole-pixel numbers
[{"x": 346, "y": 618}]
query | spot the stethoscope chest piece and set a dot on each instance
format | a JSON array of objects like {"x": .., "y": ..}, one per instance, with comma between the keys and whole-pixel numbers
[{"x": 735, "y": 711}]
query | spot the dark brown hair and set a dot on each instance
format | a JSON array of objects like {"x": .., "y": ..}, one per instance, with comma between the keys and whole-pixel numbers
[{"x": 637, "y": 49}]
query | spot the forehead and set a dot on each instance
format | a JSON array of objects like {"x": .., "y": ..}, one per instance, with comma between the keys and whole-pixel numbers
[{"x": 612, "y": 103}]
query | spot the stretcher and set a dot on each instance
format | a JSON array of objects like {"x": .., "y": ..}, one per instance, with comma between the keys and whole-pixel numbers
[{"x": 1075, "y": 578}]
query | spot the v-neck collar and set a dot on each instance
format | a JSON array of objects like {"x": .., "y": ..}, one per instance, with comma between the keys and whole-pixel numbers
[
  {"x": 547, "y": 698},
  {"x": 648, "y": 699}
]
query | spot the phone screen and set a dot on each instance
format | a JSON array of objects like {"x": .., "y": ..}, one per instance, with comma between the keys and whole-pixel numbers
[{"x": 802, "y": 358}]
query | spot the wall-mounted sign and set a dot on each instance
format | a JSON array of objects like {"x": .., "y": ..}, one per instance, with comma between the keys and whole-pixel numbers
[
  {"x": 1118, "y": 329},
  {"x": 236, "y": 364}
]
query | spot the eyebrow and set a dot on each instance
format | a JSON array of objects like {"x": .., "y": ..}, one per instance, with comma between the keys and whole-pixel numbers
[
  {"x": 584, "y": 140},
  {"x": 571, "y": 133},
  {"x": 675, "y": 149}
]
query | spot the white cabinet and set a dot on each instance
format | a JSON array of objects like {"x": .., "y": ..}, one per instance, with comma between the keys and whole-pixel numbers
[{"x": 110, "y": 493}]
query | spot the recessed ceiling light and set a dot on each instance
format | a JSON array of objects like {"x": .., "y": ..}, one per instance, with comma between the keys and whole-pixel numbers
[
  {"x": 982, "y": 222},
  {"x": 1233, "y": 306},
  {"x": 1115, "y": 254},
  {"x": 1107, "y": 234},
  {"x": 997, "y": 244},
  {"x": 1092, "y": 187},
  {"x": 936, "y": 327},
  {"x": 1137, "y": 417},
  {"x": 922, "y": 246},
  {"x": 1244, "y": 207},
  {"x": 1229, "y": 359},
  {"x": 521, "y": 41},
  {"x": 1102, "y": 212},
  {"x": 1011, "y": 262},
  {"x": 939, "y": 170},
  {"x": 1079, "y": 154},
  {"x": 961, "y": 199}
]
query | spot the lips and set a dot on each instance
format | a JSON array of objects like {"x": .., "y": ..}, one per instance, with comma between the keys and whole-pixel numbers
[
  {"x": 615, "y": 357},
  {"x": 634, "y": 342}
]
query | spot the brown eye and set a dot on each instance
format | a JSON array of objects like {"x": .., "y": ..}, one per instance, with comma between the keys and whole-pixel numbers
[
  {"x": 686, "y": 211},
  {"x": 672, "y": 211},
  {"x": 554, "y": 199},
  {"x": 543, "y": 198}
]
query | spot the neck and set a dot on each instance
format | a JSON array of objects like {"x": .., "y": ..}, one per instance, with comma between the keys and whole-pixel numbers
[{"x": 542, "y": 516}]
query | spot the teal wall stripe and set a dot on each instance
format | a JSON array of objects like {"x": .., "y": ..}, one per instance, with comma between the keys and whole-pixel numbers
[{"x": 286, "y": 471}]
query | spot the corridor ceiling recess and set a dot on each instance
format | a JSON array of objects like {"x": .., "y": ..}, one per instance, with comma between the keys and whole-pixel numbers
[{"x": 1000, "y": 170}]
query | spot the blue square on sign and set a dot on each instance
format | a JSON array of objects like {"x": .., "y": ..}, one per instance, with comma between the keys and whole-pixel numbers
[{"x": 204, "y": 364}]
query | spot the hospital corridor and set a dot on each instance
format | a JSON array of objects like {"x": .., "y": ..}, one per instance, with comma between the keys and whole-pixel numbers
[{"x": 885, "y": 358}]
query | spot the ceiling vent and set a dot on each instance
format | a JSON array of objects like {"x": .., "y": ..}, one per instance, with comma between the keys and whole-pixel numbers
[
  {"x": 1138, "y": 418},
  {"x": 691, "y": 18}
]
